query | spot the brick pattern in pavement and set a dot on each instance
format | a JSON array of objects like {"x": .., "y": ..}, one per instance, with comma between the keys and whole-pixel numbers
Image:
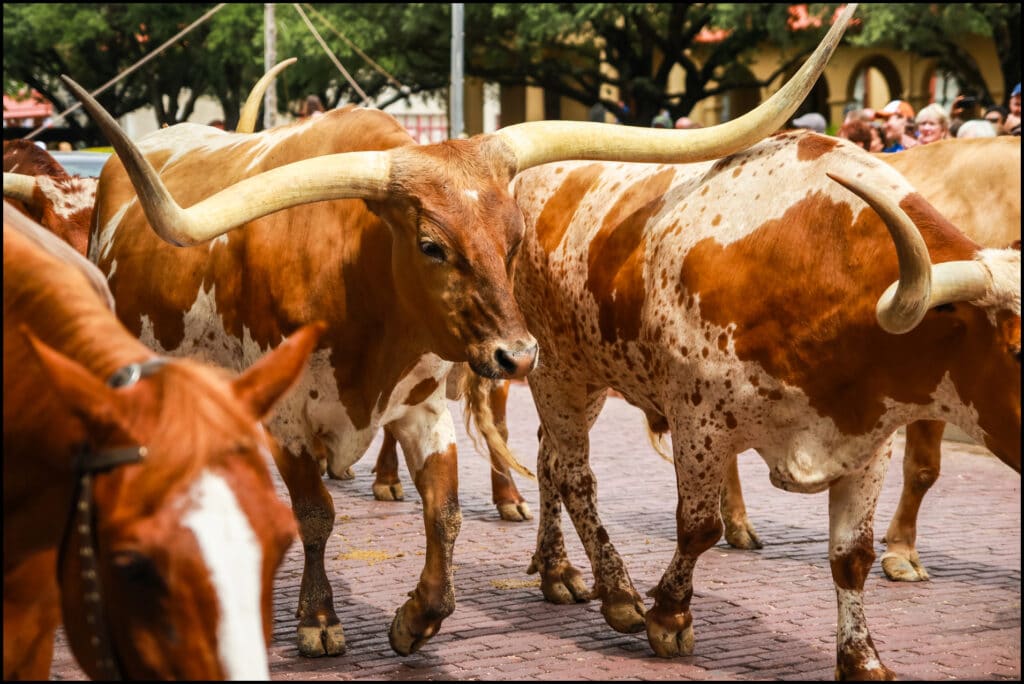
[{"x": 767, "y": 614}]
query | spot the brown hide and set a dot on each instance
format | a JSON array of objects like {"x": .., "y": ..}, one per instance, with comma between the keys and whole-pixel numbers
[
  {"x": 65, "y": 205},
  {"x": 973, "y": 182},
  {"x": 361, "y": 271}
]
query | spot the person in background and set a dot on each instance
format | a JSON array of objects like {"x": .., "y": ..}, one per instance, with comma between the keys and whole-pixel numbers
[
  {"x": 811, "y": 121},
  {"x": 976, "y": 128},
  {"x": 685, "y": 122},
  {"x": 597, "y": 113},
  {"x": 866, "y": 114},
  {"x": 964, "y": 108},
  {"x": 1012, "y": 123},
  {"x": 996, "y": 115},
  {"x": 894, "y": 117},
  {"x": 312, "y": 106},
  {"x": 859, "y": 132},
  {"x": 932, "y": 124},
  {"x": 662, "y": 120},
  {"x": 64, "y": 146}
]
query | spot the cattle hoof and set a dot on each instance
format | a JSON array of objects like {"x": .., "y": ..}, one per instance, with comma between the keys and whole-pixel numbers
[
  {"x": 742, "y": 536},
  {"x": 388, "y": 492},
  {"x": 625, "y": 615},
  {"x": 902, "y": 569},
  {"x": 673, "y": 640},
  {"x": 320, "y": 640},
  {"x": 878, "y": 674},
  {"x": 515, "y": 512},
  {"x": 346, "y": 474},
  {"x": 402, "y": 640},
  {"x": 566, "y": 586}
]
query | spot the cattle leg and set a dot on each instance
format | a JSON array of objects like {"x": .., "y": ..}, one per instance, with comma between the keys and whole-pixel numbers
[
  {"x": 921, "y": 464},
  {"x": 319, "y": 631},
  {"x": 698, "y": 527},
  {"x": 738, "y": 531},
  {"x": 435, "y": 470},
  {"x": 31, "y": 616},
  {"x": 564, "y": 475},
  {"x": 851, "y": 510},
  {"x": 386, "y": 485},
  {"x": 504, "y": 493}
]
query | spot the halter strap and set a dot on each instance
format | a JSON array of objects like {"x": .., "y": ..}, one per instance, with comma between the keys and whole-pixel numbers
[{"x": 85, "y": 463}]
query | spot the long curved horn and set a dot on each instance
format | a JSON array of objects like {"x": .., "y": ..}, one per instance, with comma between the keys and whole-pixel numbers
[
  {"x": 19, "y": 186},
  {"x": 540, "y": 142},
  {"x": 921, "y": 285},
  {"x": 247, "y": 118},
  {"x": 348, "y": 175}
]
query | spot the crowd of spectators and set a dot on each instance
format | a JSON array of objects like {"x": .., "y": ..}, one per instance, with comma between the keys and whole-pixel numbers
[{"x": 896, "y": 127}]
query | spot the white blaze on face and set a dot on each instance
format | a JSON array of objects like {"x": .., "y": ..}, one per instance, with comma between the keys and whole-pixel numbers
[{"x": 234, "y": 558}]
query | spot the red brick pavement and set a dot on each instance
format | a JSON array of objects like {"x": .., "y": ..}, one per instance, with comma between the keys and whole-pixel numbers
[{"x": 766, "y": 614}]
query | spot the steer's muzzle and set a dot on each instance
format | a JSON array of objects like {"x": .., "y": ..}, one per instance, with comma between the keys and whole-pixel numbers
[
  {"x": 516, "y": 363},
  {"x": 506, "y": 361}
]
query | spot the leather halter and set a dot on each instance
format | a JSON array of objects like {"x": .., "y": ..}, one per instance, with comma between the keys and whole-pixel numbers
[{"x": 88, "y": 461}]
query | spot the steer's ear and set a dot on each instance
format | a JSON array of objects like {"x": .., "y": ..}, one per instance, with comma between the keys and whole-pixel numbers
[
  {"x": 86, "y": 395},
  {"x": 269, "y": 379}
]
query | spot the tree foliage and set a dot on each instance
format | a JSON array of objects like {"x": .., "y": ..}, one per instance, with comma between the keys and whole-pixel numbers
[
  {"x": 575, "y": 50},
  {"x": 936, "y": 30},
  {"x": 94, "y": 43}
]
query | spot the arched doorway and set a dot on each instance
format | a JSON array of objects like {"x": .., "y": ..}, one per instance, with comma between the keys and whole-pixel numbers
[{"x": 874, "y": 82}]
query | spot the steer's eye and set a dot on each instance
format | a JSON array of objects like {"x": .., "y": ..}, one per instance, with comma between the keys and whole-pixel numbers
[{"x": 432, "y": 250}]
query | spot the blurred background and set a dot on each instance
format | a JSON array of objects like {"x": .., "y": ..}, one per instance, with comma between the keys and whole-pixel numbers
[{"x": 614, "y": 62}]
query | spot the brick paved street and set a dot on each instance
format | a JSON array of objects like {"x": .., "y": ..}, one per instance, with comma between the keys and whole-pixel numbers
[{"x": 766, "y": 614}]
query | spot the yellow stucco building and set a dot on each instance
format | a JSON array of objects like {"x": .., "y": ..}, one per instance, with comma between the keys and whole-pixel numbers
[{"x": 869, "y": 76}]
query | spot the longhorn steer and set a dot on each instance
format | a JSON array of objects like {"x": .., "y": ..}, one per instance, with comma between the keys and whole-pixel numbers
[
  {"x": 127, "y": 478},
  {"x": 734, "y": 303},
  {"x": 406, "y": 256},
  {"x": 37, "y": 185},
  {"x": 975, "y": 184}
]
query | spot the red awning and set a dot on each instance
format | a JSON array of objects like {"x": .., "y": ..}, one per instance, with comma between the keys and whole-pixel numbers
[{"x": 31, "y": 108}]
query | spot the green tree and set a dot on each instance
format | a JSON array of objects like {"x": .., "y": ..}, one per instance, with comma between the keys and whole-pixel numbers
[
  {"x": 936, "y": 30},
  {"x": 566, "y": 48},
  {"x": 92, "y": 43},
  {"x": 563, "y": 48}
]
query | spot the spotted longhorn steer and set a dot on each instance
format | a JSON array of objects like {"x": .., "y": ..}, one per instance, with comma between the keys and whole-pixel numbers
[
  {"x": 978, "y": 190},
  {"x": 138, "y": 507},
  {"x": 404, "y": 249},
  {"x": 734, "y": 302},
  {"x": 37, "y": 185},
  {"x": 975, "y": 184}
]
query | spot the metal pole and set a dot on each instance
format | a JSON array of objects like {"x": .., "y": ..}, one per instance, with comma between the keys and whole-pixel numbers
[
  {"x": 456, "y": 128},
  {"x": 269, "y": 60}
]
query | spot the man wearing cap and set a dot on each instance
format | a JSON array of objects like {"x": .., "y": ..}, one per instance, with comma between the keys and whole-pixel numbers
[
  {"x": 895, "y": 116},
  {"x": 810, "y": 120}
]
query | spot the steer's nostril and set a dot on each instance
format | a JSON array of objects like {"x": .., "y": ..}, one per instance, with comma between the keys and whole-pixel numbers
[
  {"x": 505, "y": 360},
  {"x": 516, "y": 364}
]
